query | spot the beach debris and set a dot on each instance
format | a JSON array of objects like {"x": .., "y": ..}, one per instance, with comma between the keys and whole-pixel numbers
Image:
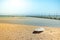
[{"x": 38, "y": 30}]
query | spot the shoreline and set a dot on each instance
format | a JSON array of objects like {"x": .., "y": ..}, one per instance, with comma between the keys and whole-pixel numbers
[{"x": 31, "y": 21}]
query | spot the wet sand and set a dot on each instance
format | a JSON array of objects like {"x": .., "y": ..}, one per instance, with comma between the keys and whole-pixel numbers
[
  {"x": 31, "y": 21},
  {"x": 25, "y": 32}
]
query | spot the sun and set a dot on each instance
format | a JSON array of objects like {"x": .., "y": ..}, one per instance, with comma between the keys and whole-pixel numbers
[
  {"x": 15, "y": 6},
  {"x": 17, "y": 3}
]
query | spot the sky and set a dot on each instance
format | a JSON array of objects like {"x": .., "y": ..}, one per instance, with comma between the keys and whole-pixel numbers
[{"x": 29, "y": 7}]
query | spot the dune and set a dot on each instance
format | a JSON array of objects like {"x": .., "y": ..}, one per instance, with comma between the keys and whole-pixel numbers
[{"x": 25, "y": 32}]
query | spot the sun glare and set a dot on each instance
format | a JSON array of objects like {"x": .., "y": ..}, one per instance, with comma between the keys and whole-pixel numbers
[
  {"x": 17, "y": 3},
  {"x": 15, "y": 6}
]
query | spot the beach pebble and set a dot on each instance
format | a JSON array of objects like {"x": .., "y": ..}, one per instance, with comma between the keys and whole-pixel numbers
[{"x": 38, "y": 30}]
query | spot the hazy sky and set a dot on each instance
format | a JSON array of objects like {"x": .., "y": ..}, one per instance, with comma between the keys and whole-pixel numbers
[{"x": 22, "y": 7}]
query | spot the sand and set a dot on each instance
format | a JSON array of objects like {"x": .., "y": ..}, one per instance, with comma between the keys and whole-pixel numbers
[{"x": 25, "y": 32}]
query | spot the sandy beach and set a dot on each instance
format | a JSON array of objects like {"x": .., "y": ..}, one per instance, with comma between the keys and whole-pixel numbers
[
  {"x": 10, "y": 31},
  {"x": 29, "y": 19},
  {"x": 25, "y": 32}
]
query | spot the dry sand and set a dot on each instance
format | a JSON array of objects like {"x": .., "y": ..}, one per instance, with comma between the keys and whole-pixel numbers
[{"x": 25, "y": 32}]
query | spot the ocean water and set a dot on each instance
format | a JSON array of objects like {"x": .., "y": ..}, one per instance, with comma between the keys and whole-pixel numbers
[{"x": 34, "y": 22}]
